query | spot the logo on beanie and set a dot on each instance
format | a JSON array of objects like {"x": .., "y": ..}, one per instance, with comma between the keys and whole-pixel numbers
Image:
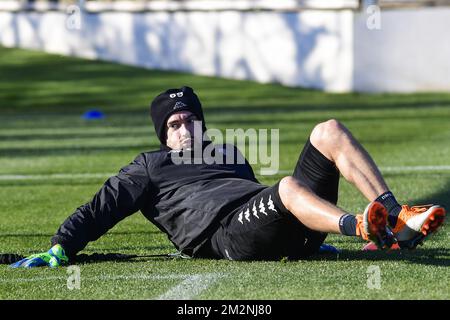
[
  {"x": 179, "y": 104},
  {"x": 178, "y": 94}
]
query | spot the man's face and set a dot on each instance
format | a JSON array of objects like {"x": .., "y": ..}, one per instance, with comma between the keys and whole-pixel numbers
[{"x": 180, "y": 130}]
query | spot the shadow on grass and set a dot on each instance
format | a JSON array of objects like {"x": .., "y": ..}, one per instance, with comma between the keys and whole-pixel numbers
[
  {"x": 37, "y": 81},
  {"x": 95, "y": 257},
  {"x": 441, "y": 197},
  {"x": 135, "y": 247},
  {"x": 432, "y": 257},
  {"x": 70, "y": 150},
  {"x": 31, "y": 235},
  {"x": 117, "y": 258}
]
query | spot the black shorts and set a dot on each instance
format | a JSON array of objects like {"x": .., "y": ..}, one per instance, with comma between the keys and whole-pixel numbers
[{"x": 263, "y": 229}]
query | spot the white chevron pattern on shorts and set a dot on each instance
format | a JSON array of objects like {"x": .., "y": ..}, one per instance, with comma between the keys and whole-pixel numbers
[
  {"x": 270, "y": 204},
  {"x": 255, "y": 212},
  {"x": 262, "y": 208},
  {"x": 240, "y": 218},
  {"x": 247, "y": 214}
]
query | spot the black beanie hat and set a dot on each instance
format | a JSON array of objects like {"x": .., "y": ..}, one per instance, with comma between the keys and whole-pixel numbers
[{"x": 171, "y": 101}]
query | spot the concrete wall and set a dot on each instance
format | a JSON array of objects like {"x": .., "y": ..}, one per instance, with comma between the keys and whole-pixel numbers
[
  {"x": 411, "y": 51},
  {"x": 329, "y": 50}
]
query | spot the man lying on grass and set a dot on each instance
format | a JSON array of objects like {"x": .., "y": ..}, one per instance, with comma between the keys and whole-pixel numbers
[{"x": 219, "y": 210}]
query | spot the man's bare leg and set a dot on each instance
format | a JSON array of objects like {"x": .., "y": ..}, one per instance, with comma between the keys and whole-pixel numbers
[
  {"x": 336, "y": 143},
  {"x": 314, "y": 212},
  {"x": 320, "y": 215}
]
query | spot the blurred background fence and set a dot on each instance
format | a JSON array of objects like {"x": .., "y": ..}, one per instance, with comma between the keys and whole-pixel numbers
[{"x": 337, "y": 46}]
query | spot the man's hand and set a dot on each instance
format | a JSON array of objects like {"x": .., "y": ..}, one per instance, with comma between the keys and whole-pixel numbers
[{"x": 54, "y": 257}]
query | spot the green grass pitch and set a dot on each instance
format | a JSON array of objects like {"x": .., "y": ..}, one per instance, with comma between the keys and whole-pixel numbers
[{"x": 52, "y": 161}]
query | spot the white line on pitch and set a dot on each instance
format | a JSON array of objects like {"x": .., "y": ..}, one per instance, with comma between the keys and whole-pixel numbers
[
  {"x": 54, "y": 176},
  {"x": 191, "y": 287},
  {"x": 415, "y": 168},
  {"x": 398, "y": 169}
]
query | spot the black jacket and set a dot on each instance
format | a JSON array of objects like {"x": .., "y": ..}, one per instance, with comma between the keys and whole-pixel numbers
[{"x": 186, "y": 201}]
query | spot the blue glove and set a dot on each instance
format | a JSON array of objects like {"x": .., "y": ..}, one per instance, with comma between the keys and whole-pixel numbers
[{"x": 53, "y": 258}]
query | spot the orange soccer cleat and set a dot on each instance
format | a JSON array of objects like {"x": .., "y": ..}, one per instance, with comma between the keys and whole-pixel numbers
[
  {"x": 415, "y": 224},
  {"x": 372, "y": 226}
]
